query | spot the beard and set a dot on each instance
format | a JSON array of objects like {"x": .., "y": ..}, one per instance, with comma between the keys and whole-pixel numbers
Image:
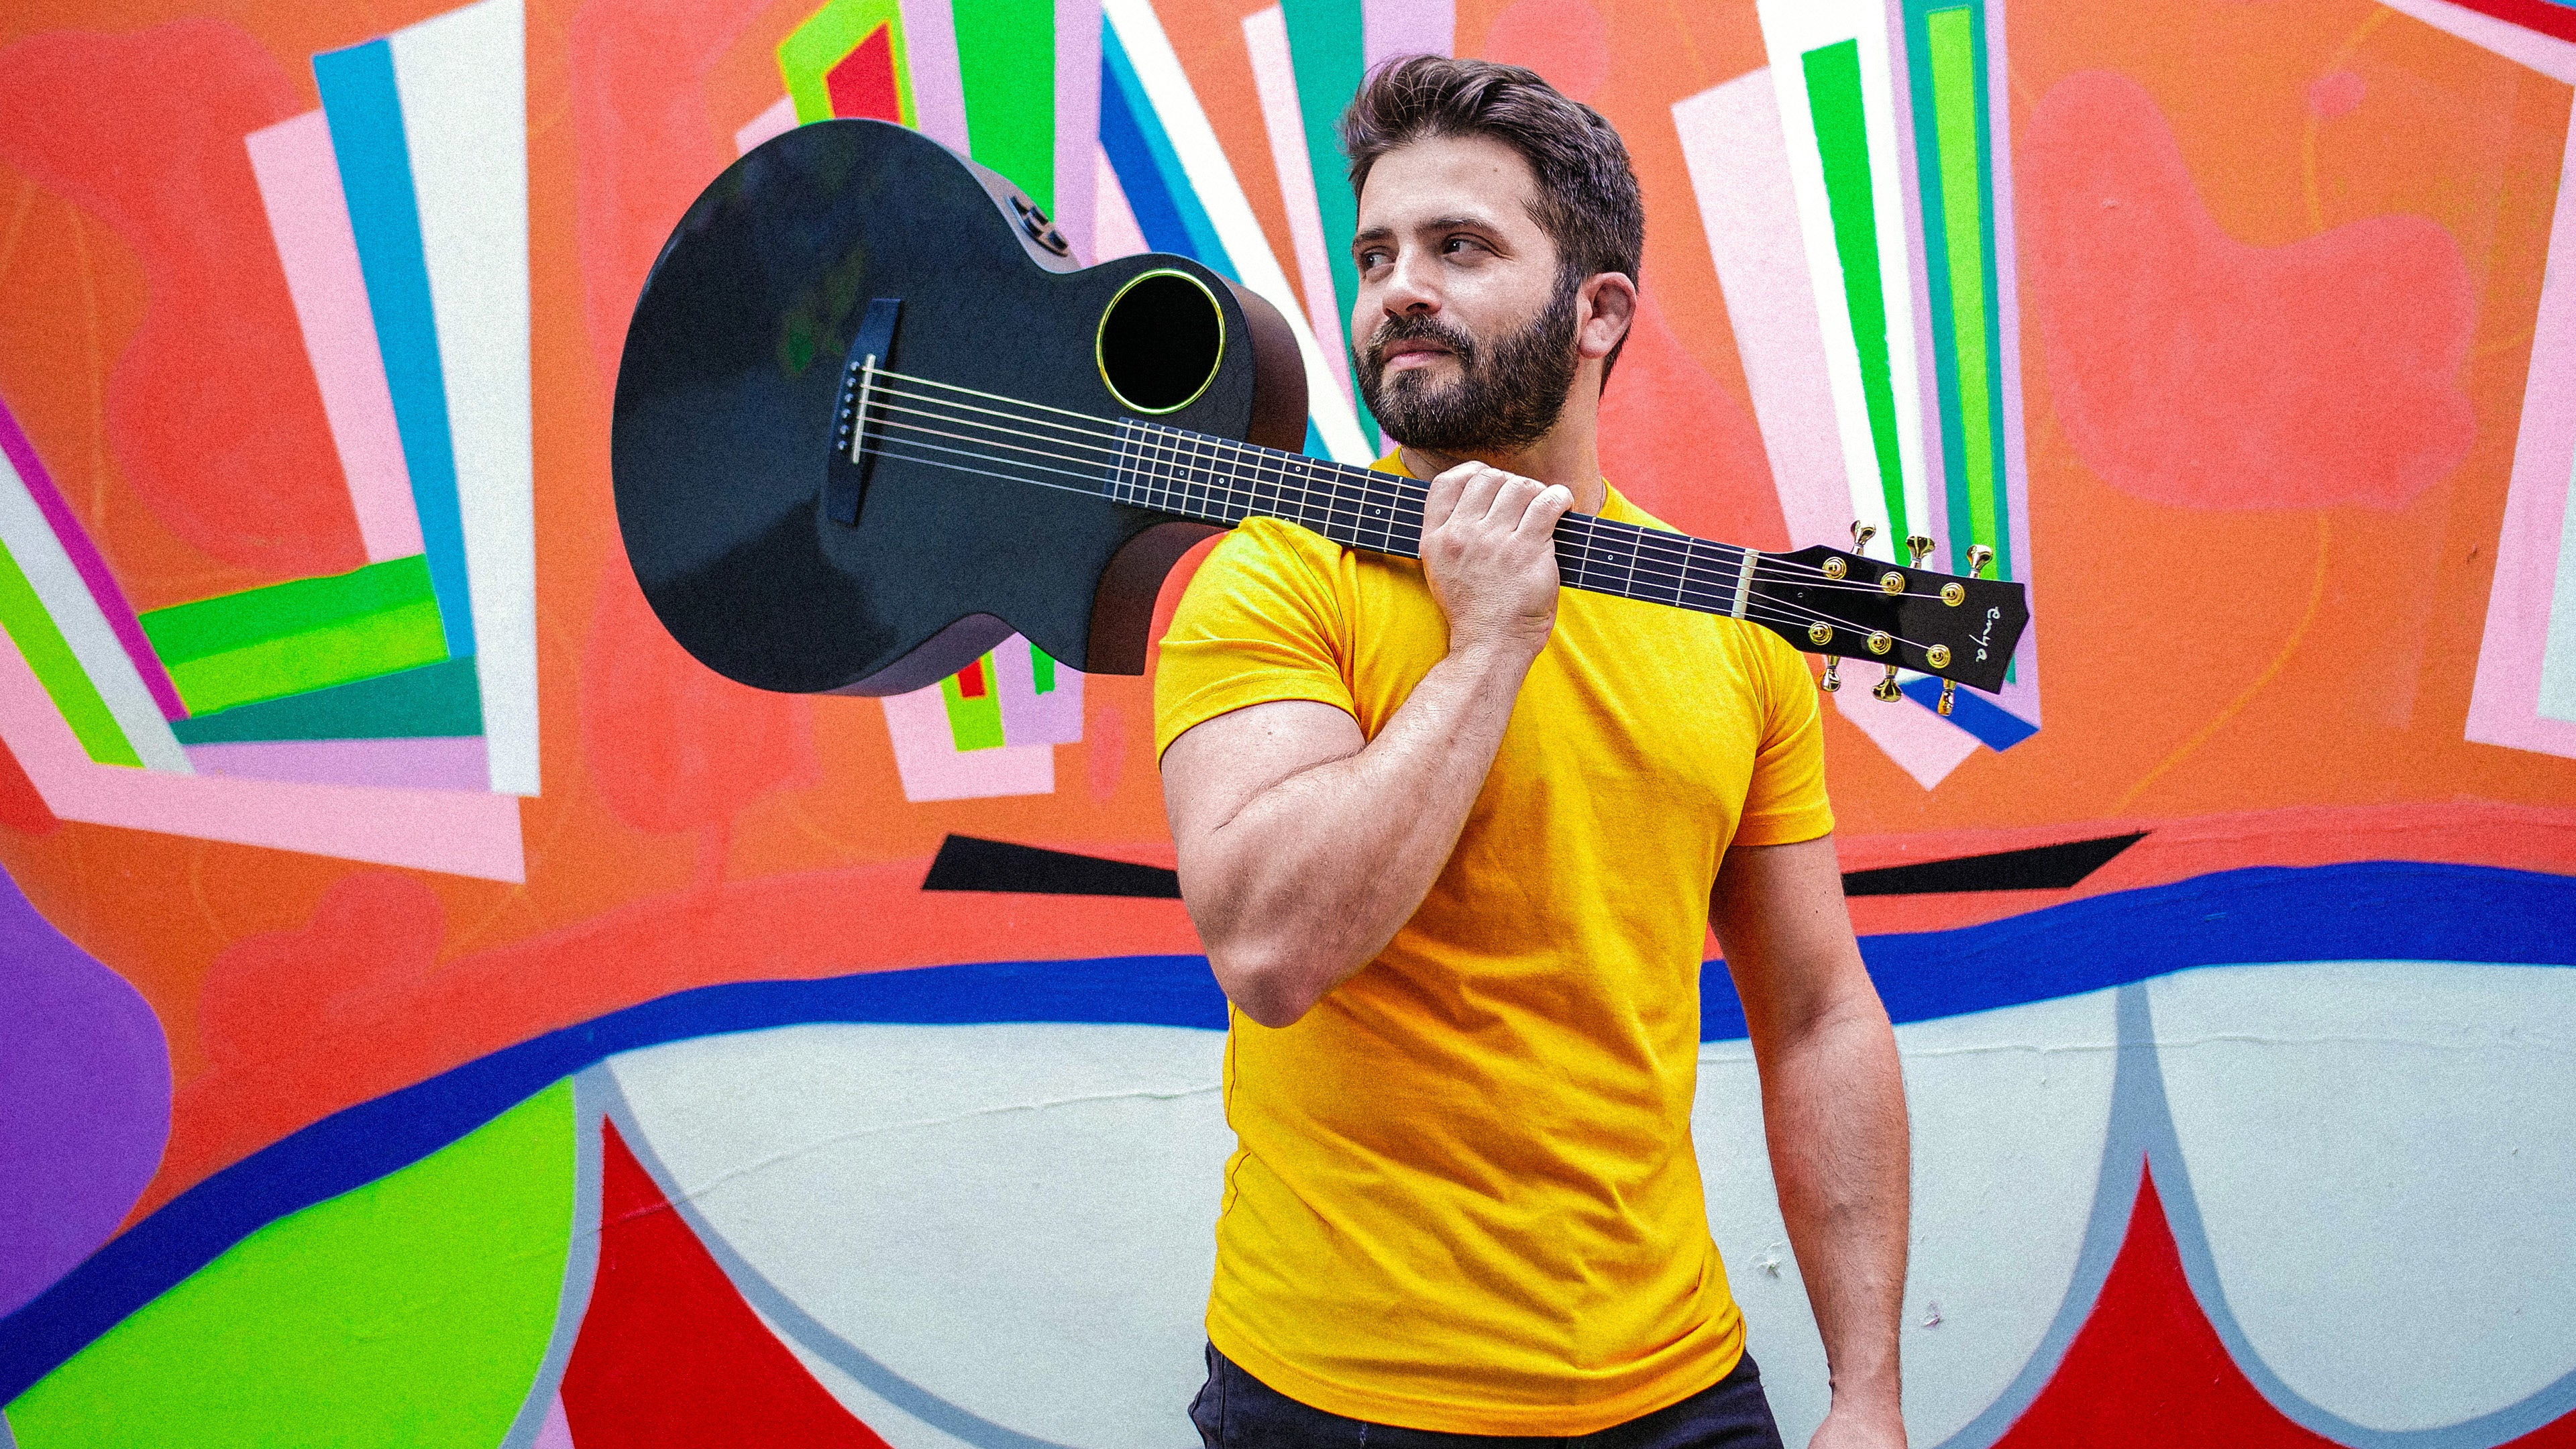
[{"x": 1503, "y": 399}]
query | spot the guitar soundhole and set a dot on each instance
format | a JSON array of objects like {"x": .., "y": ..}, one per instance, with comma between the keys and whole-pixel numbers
[{"x": 1160, "y": 341}]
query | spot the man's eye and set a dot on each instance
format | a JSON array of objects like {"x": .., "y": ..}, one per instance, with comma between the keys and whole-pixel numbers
[{"x": 1457, "y": 243}]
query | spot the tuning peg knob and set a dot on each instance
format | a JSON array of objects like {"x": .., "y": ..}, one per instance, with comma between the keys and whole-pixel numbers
[
  {"x": 1919, "y": 548},
  {"x": 1948, "y": 687},
  {"x": 1862, "y": 533},
  {"x": 1833, "y": 679},
  {"x": 1886, "y": 688},
  {"x": 1978, "y": 557}
]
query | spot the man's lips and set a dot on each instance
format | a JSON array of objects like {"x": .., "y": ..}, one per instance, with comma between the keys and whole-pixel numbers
[{"x": 1414, "y": 354}]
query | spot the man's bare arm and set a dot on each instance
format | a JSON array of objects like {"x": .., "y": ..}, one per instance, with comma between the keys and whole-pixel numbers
[
  {"x": 1833, "y": 1107},
  {"x": 1303, "y": 847}
]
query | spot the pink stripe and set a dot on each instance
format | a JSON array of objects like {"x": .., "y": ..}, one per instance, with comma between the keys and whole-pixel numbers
[
  {"x": 2022, "y": 695},
  {"x": 459, "y": 832},
  {"x": 1077, "y": 119},
  {"x": 779, "y": 119},
  {"x": 1274, "y": 79},
  {"x": 421, "y": 764},
  {"x": 299, "y": 183},
  {"x": 1114, "y": 230},
  {"x": 1031, "y": 718},
  {"x": 930, "y": 51},
  {"x": 927, "y": 760},
  {"x": 1406, "y": 27},
  {"x": 557, "y": 1430},
  {"x": 93, "y": 569},
  {"x": 2504, "y": 703}
]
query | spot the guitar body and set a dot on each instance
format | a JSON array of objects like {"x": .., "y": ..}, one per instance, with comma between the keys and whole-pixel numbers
[{"x": 738, "y": 368}]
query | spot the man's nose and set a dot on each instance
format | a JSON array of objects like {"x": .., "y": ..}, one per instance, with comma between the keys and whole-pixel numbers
[{"x": 1409, "y": 290}]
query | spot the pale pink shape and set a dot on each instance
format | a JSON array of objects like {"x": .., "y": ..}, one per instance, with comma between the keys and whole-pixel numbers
[
  {"x": 299, "y": 185},
  {"x": 1077, "y": 118},
  {"x": 1028, "y": 717},
  {"x": 930, "y": 51},
  {"x": 778, "y": 120},
  {"x": 557, "y": 1430},
  {"x": 931, "y": 766},
  {"x": 458, "y": 763},
  {"x": 1274, "y": 79},
  {"x": 458, "y": 832},
  {"x": 1115, "y": 233},
  {"x": 1389, "y": 28},
  {"x": 2335, "y": 95},
  {"x": 1922, "y": 743}
]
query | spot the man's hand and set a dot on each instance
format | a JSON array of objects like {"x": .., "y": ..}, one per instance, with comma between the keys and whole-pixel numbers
[
  {"x": 1489, "y": 554},
  {"x": 1879, "y": 1426}
]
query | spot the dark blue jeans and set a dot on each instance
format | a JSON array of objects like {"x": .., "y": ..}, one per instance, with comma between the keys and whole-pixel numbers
[{"x": 1234, "y": 1410}]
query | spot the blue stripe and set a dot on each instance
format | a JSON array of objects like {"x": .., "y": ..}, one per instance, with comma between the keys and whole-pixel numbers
[
  {"x": 1147, "y": 142},
  {"x": 1123, "y": 141},
  {"x": 1998, "y": 727},
  {"x": 2362, "y": 912},
  {"x": 365, "y": 113}
]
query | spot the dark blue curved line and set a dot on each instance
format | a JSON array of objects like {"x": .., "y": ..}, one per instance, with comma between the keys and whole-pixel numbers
[{"x": 2366, "y": 912}]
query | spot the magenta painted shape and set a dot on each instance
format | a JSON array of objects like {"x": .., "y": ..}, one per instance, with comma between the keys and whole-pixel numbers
[
  {"x": 93, "y": 569},
  {"x": 84, "y": 1101},
  {"x": 458, "y": 763}
]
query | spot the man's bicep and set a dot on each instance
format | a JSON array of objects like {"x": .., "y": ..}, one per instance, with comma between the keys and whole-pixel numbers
[
  {"x": 1214, "y": 768},
  {"x": 1779, "y": 916}
]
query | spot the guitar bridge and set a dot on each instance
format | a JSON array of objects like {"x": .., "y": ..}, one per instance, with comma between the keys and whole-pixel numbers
[{"x": 856, "y": 431}]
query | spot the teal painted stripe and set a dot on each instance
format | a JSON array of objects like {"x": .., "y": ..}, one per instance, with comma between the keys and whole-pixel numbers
[
  {"x": 434, "y": 701},
  {"x": 1842, "y": 140},
  {"x": 1327, "y": 48}
]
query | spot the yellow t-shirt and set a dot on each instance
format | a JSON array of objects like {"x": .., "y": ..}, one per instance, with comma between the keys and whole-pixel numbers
[{"x": 1464, "y": 1197}]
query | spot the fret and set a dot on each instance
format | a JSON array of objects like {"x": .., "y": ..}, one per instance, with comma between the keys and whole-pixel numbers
[{"x": 1666, "y": 563}]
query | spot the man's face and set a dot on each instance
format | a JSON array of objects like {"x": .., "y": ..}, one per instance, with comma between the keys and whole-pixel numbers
[{"x": 1463, "y": 335}]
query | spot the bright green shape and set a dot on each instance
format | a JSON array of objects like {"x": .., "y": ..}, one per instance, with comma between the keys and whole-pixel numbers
[
  {"x": 411, "y": 1313},
  {"x": 1954, "y": 113},
  {"x": 434, "y": 701},
  {"x": 1006, "y": 63},
  {"x": 1327, "y": 47},
  {"x": 59, "y": 670},
  {"x": 974, "y": 724},
  {"x": 399, "y": 638},
  {"x": 807, "y": 55},
  {"x": 230, "y": 621},
  {"x": 1842, "y": 140},
  {"x": 1041, "y": 670}
]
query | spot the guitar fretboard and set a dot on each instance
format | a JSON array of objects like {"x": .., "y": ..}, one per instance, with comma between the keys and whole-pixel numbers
[{"x": 1218, "y": 480}]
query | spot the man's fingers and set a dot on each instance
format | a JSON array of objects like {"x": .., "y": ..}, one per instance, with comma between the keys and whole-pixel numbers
[
  {"x": 1540, "y": 517},
  {"x": 1476, "y": 501},
  {"x": 1442, "y": 500},
  {"x": 1511, "y": 500}
]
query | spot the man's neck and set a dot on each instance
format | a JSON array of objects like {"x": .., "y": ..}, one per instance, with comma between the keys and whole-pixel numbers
[{"x": 1568, "y": 454}]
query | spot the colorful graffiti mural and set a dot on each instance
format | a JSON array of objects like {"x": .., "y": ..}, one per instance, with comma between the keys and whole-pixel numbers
[{"x": 435, "y": 1010}]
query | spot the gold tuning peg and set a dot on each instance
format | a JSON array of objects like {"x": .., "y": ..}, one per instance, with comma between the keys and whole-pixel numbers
[
  {"x": 1919, "y": 547},
  {"x": 1833, "y": 679},
  {"x": 1862, "y": 533},
  {"x": 1948, "y": 687},
  {"x": 1978, "y": 557},
  {"x": 1886, "y": 688}
]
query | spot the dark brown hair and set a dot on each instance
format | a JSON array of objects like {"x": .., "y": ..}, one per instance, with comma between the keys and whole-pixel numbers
[{"x": 1587, "y": 196}]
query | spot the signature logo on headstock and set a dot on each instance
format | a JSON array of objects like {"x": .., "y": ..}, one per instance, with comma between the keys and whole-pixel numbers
[{"x": 1986, "y": 637}]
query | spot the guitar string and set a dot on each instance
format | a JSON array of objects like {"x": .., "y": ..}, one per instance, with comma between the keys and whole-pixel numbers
[
  {"x": 1768, "y": 563},
  {"x": 1256, "y": 456},
  {"x": 1759, "y": 608}
]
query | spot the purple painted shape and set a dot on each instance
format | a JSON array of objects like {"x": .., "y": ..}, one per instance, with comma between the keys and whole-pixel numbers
[
  {"x": 436, "y": 763},
  {"x": 1031, "y": 718},
  {"x": 93, "y": 569},
  {"x": 84, "y": 1100}
]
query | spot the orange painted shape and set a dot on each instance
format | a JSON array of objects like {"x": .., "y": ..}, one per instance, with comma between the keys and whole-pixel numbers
[{"x": 2191, "y": 369}]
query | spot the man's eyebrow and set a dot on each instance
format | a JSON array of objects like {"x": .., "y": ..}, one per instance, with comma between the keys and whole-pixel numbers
[{"x": 1375, "y": 233}]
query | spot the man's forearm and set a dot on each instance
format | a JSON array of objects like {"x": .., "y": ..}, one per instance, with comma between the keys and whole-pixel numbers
[
  {"x": 1834, "y": 1109},
  {"x": 1307, "y": 882}
]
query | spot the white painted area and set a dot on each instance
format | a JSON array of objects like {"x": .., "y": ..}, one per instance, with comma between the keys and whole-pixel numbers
[
  {"x": 65, "y": 594},
  {"x": 2558, "y": 651},
  {"x": 2010, "y": 1109},
  {"x": 464, "y": 84},
  {"x": 2382, "y": 1157},
  {"x": 1018, "y": 1219},
  {"x": 1211, "y": 177},
  {"x": 1790, "y": 28},
  {"x": 1274, "y": 77}
]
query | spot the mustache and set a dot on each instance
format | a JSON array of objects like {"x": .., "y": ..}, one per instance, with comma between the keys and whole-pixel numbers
[{"x": 1419, "y": 329}]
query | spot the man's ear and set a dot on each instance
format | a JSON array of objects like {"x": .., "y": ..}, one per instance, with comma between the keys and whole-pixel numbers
[{"x": 1610, "y": 307}]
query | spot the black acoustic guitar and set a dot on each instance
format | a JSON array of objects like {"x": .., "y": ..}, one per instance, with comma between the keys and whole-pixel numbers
[{"x": 872, "y": 417}]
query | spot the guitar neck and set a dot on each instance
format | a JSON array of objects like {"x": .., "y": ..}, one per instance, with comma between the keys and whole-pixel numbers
[{"x": 1216, "y": 480}]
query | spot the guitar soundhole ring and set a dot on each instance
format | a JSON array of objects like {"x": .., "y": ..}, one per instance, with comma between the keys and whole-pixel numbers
[{"x": 1160, "y": 340}]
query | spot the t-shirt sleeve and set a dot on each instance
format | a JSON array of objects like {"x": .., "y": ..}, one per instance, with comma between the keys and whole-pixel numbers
[
  {"x": 1260, "y": 622},
  {"x": 1785, "y": 803}
]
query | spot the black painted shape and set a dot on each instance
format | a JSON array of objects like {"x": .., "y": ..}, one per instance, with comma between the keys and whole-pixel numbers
[
  {"x": 965, "y": 863},
  {"x": 2040, "y": 868}
]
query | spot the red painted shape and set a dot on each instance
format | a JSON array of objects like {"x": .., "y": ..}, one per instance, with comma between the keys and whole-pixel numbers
[
  {"x": 212, "y": 411},
  {"x": 2191, "y": 369},
  {"x": 369, "y": 946},
  {"x": 970, "y": 681},
  {"x": 669, "y": 1353},
  {"x": 2147, "y": 1370},
  {"x": 862, "y": 83},
  {"x": 22, "y": 808},
  {"x": 2540, "y": 15}
]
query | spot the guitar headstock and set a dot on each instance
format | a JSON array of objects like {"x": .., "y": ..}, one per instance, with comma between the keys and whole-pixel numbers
[{"x": 1844, "y": 604}]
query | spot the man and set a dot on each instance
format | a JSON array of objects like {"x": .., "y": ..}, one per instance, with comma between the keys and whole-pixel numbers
[{"x": 1453, "y": 840}]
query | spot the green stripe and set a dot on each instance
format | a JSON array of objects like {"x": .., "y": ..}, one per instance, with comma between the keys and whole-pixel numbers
[
  {"x": 58, "y": 669},
  {"x": 1329, "y": 52},
  {"x": 1041, "y": 670},
  {"x": 974, "y": 724},
  {"x": 1006, "y": 62},
  {"x": 434, "y": 701},
  {"x": 1842, "y": 140},
  {"x": 1952, "y": 37},
  {"x": 229, "y": 621},
  {"x": 352, "y": 649},
  {"x": 807, "y": 55}
]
